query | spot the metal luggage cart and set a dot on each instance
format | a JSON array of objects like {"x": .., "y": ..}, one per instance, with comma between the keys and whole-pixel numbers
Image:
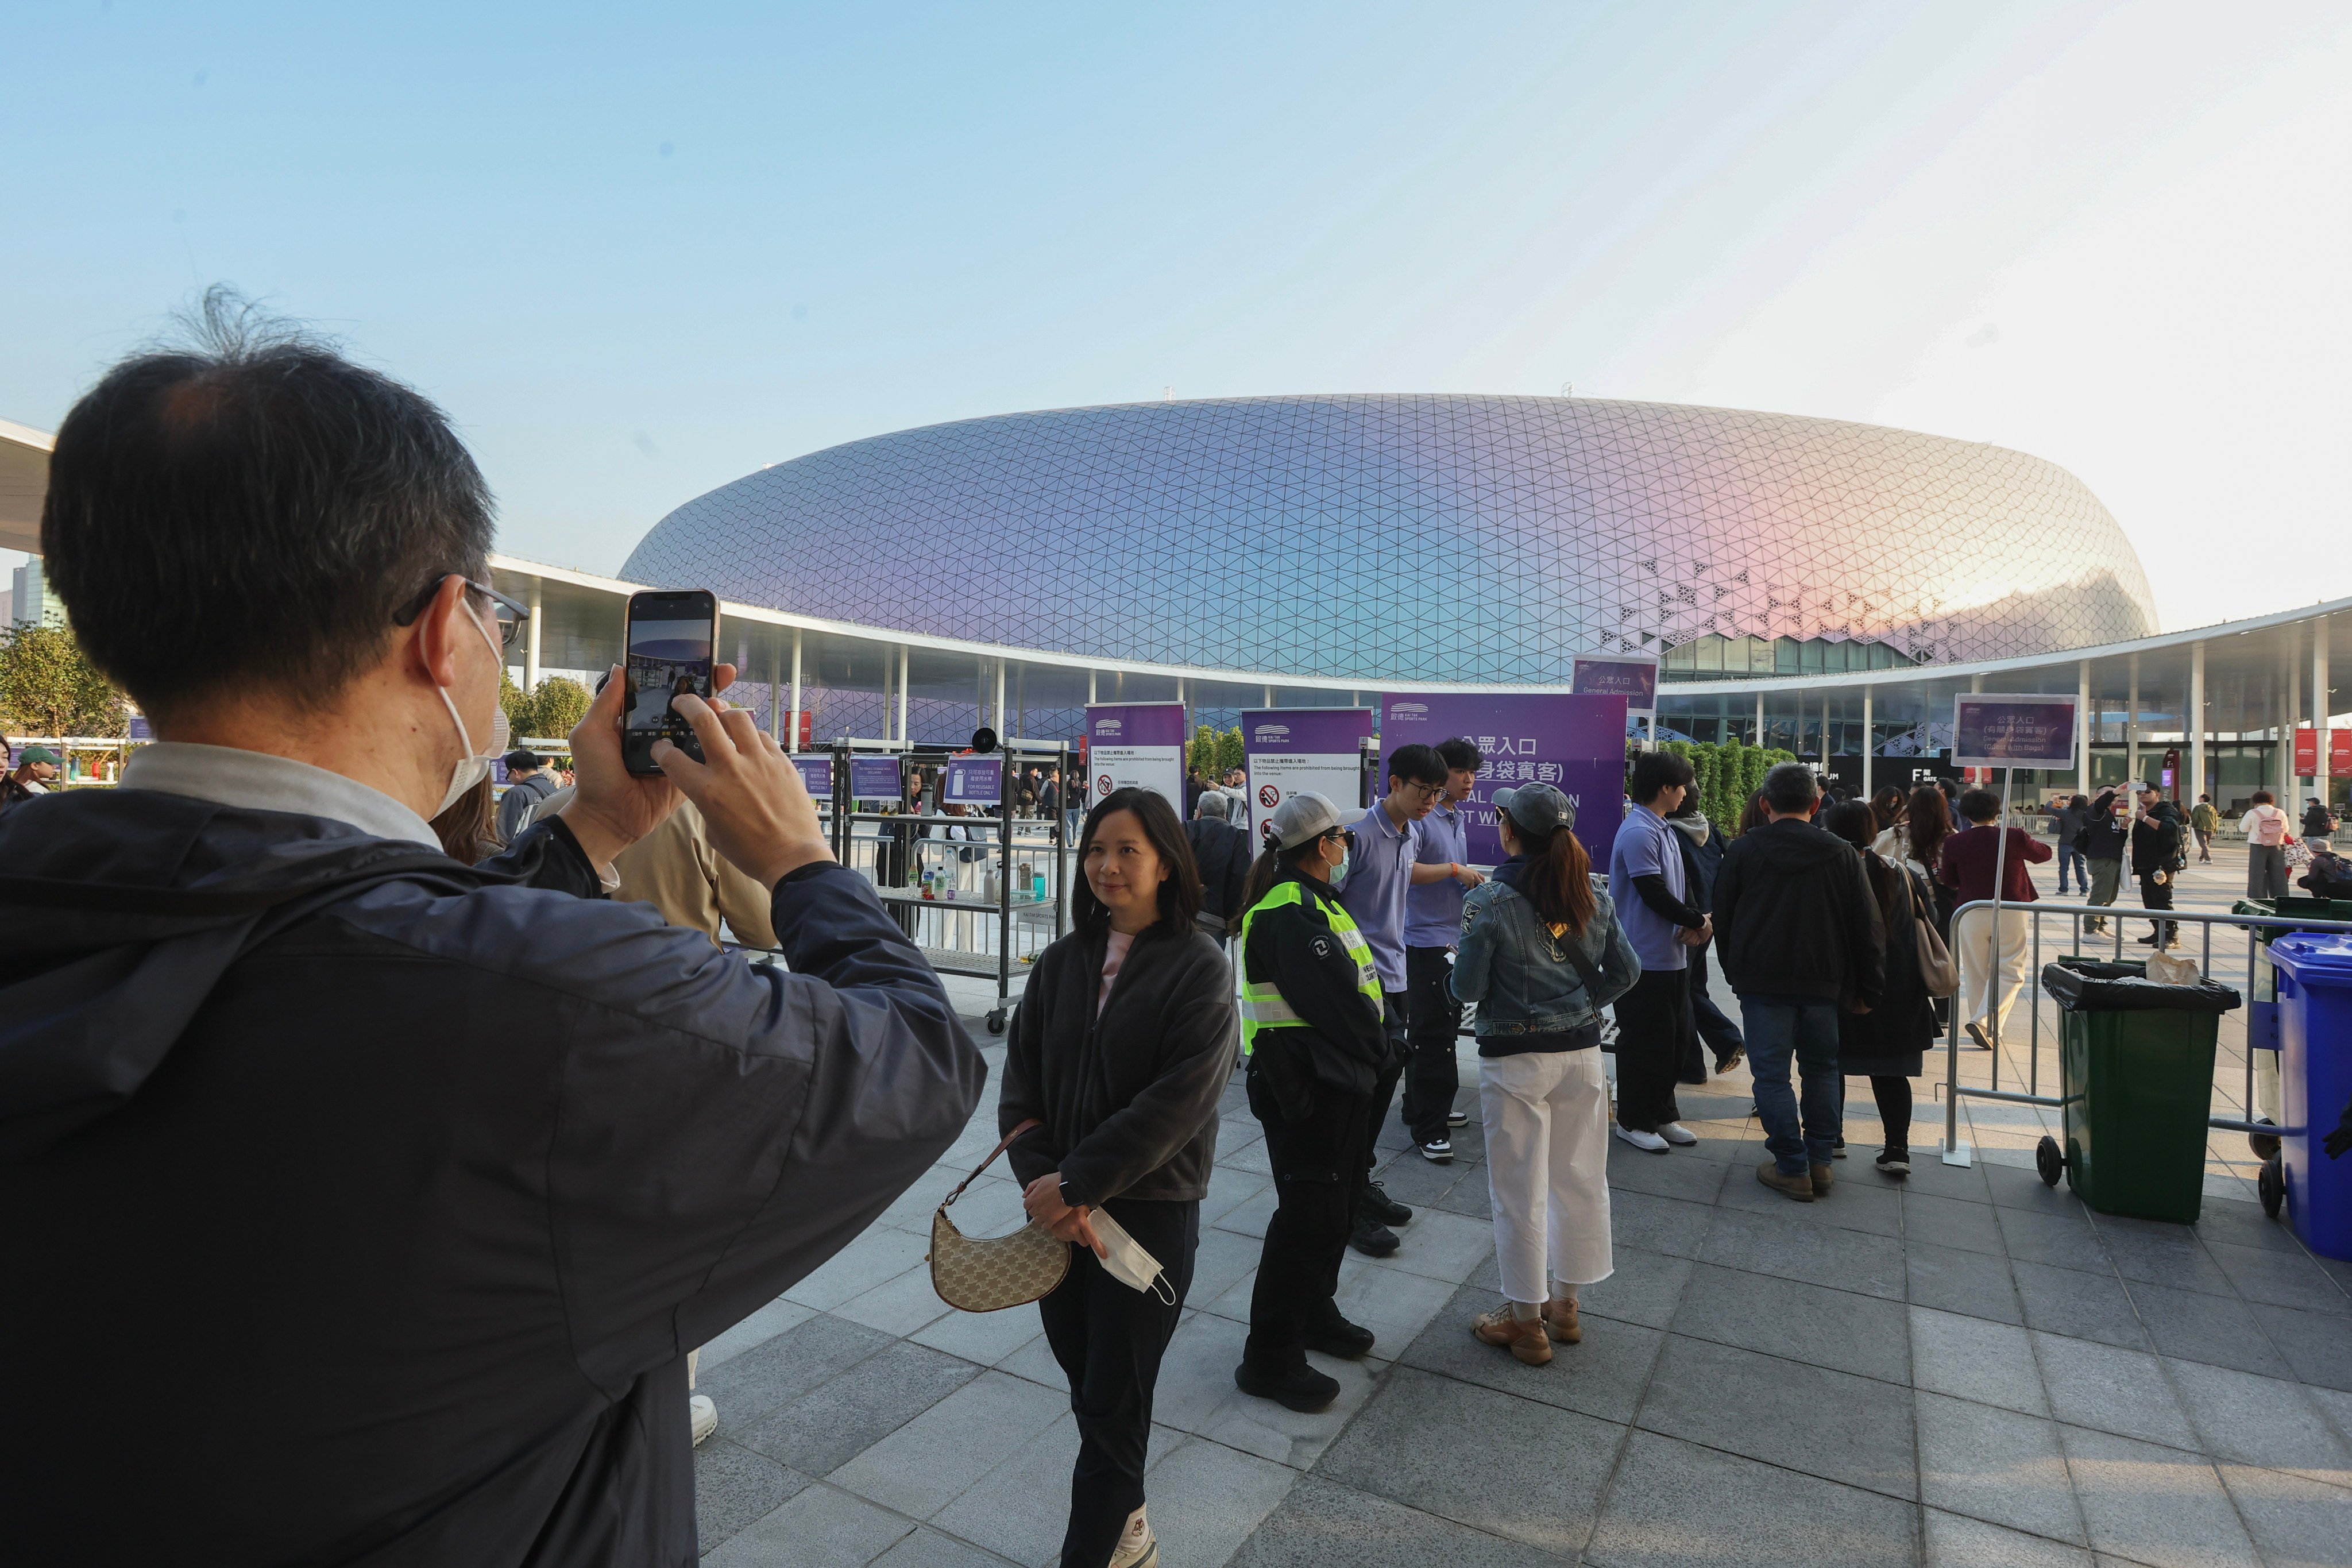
[{"x": 983, "y": 906}]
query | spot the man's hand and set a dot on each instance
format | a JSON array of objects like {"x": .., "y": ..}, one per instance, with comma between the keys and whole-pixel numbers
[
  {"x": 612, "y": 807},
  {"x": 1468, "y": 876},
  {"x": 758, "y": 812},
  {"x": 1043, "y": 1199},
  {"x": 1698, "y": 935}
]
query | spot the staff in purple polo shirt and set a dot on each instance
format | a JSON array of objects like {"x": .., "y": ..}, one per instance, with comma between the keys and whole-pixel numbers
[
  {"x": 1433, "y": 928},
  {"x": 1649, "y": 887},
  {"x": 1384, "y": 864}
]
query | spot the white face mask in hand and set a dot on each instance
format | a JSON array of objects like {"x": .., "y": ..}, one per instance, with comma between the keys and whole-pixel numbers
[
  {"x": 1125, "y": 1260},
  {"x": 472, "y": 767}
]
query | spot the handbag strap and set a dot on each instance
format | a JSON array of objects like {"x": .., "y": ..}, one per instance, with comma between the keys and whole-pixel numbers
[{"x": 1006, "y": 1142}]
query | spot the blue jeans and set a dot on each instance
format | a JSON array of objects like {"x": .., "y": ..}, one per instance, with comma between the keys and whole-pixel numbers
[
  {"x": 1776, "y": 1031},
  {"x": 2070, "y": 855}
]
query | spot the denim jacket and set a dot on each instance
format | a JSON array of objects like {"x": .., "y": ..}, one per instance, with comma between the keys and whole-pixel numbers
[{"x": 1516, "y": 972}]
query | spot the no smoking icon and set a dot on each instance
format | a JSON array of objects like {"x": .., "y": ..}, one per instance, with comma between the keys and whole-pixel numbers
[
  {"x": 1102, "y": 784},
  {"x": 1269, "y": 796}
]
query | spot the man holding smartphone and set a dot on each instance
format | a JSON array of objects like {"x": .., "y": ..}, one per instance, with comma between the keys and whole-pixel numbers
[{"x": 358, "y": 1204}]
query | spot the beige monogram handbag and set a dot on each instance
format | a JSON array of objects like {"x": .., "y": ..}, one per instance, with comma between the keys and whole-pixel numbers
[{"x": 987, "y": 1274}]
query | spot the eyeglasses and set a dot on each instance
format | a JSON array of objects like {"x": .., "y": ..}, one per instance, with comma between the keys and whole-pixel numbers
[
  {"x": 511, "y": 613},
  {"x": 1426, "y": 792},
  {"x": 1347, "y": 834}
]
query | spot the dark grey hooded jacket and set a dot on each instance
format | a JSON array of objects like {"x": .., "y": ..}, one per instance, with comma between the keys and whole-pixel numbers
[{"x": 358, "y": 1207}]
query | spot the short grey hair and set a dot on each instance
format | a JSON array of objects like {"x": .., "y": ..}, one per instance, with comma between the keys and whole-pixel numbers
[
  {"x": 1791, "y": 787},
  {"x": 1213, "y": 803}
]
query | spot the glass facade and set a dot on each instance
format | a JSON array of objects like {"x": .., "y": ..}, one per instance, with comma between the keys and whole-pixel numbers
[{"x": 1723, "y": 658}]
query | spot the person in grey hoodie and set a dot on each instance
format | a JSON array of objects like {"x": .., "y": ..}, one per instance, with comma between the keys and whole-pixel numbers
[{"x": 1702, "y": 859}]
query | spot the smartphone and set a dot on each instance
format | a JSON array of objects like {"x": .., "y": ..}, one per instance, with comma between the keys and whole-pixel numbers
[{"x": 669, "y": 641}]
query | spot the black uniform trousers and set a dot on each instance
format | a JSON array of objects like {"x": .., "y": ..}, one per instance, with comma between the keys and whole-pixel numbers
[
  {"x": 1433, "y": 1018},
  {"x": 1318, "y": 1163},
  {"x": 1108, "y": 1338},
  {"x": 1392, "y": 1023},
  {"x": 2155, "y": 895},
  {"x": 1654, "y": 1037}
]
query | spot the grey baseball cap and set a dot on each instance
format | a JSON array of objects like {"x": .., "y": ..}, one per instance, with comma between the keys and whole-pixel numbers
[
  {"x": 1538, "y": 808},
  {"x": 1302, "y": 817}
]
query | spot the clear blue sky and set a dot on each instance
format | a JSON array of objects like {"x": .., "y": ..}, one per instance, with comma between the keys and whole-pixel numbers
[{"x": 638, "y": 253}]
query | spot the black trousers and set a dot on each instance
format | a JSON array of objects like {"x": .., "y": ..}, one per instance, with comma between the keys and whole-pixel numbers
[
  {"x": 1892, "y": 1094},
  {"x": 1109, "y": 1340},
  {"x": 1654, "y": 1037},
  {"x": 1392, "y": 1018},
  {"x": 1431, "y": 1076},
  {"x": 1318, "y": 1165},
  {"x": 2155, "y": 895},
  {"x": 1715, "y": 1026}
]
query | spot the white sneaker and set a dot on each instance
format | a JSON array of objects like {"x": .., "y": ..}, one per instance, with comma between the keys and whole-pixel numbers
[
  {"x": 1649, "y": 1141},
  {"x": 1677, "y": 1134},
  {"x": 706, "y": 1417},
  {"x": 1138, "y": 1547}
]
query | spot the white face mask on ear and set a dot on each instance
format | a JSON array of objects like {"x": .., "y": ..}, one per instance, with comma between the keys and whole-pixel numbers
[{"x": 472, "y": 768}]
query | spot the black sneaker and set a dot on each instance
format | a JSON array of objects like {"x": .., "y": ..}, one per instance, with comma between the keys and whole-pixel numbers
[
  {"x": 1372, "y": 1238},
  {"x": 1437, "y": 1150},
  {"x": 2148, "y": 940},
  {"x": 1894, "y": 1162},
  {"x": 1338, "y": 1337},
  {"x": 1301, "y": 1388},
  {"x": 1380, "y": 1206},
  {"x": 1837, "y": 1149},
  {"x": 1457, "y": 1118}
]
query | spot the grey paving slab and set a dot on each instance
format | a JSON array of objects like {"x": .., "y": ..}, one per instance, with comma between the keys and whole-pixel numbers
[
  {"x": 733, "y": 1485},
  {"x": 2017, "y": 1186},
  {"x": 1972, "y": 1358},
  {"x": 2280, "y": 1279},
  {"x": 1676, "y": 1504},
  {"x": 857, "y": 1407},
  {"x": 929, "y": 1549},
  {"x": 1657, "y": 1223},
  {"x": 1858, "y": 1202},
  {"x": 1788, "y": 1318},
  {"x": 2060, "y": 1238},
  {"x": 1996, "y": 1464},
  {"x": 1951, "y": 1222},
  {"x": 820, "y": 1527},
  {"x": 1319, "y": 1523},
  {"x": 2153, "y": 1504},
  {"x": 2296, "y": 1522},
  {"x": 1440, "y": 1245},
  {"x": 787, "y": 1366},
  {"x": 1396, "y": 1305},
  {"x": 1538, "y": 1473},
  {"x": 899, "y": 1306},
  {"x": 1469, "y": 1197},
  {"x": 2317, "y": 1345},
  {"x": 1798, "y": 1250},
  {"x": 1770, "y": 1409},
  {"x": 2161, "y": 1254},
  {"x": 2245, "y": 1225},
  {"x": 878, "y": 1255},
  {"x": 1222, "y": 1258},
  {"x": 2112, "y": 1390},
  {"x": 1647, "y": 1289},
  {"x": 985, "y": 1339},
  {"x": 1975, "y": 1284},
  {"x": 1205, "y": 1499},
  {"x": 2083, "y": 1305},
  {"x": 2243, "y": 1419},
  {"x": 2195, "y": 1325},
  {"x": 1955, "y": 1541},
  {"x": 928, "y": 1462},
  {"x": 1409, "y": 1179},
  {"x": 1603, "y": 1376},
  {"x": 1229, "y": 1190},
  {"x": 1677, "y": 1173},
  {"x": 1196, "y": 1394},
  {"x": 756, "y": 1329},
  {"x": 1019, "y": 1508},
  {"x": 1930, "y": 1174}
]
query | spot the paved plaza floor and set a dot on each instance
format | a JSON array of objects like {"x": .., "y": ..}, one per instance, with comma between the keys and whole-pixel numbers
[{"x": 1967, "y": 1368}]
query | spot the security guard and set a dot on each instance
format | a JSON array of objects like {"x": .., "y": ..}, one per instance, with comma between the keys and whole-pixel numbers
[{"x": 1311, "y": 1032}]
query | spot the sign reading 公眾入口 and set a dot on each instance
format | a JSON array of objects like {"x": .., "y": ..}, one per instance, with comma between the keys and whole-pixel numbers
[
  {"x": 2013, "y": 730},
  {"x": 1287, "y": 750},
  {"x": 1577, "y": 744},
  {"x": 1635, "y": 679},
  {"x": 1137, "y": 744}
]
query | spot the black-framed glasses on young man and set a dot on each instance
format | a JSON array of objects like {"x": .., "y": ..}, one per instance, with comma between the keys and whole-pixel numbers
[
  {"x": 511, "y": 612},
  {"x": 1425, "y": 791}
]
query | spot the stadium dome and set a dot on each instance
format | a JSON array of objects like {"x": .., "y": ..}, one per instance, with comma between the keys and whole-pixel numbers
[{"x": 1481, "y": 540}]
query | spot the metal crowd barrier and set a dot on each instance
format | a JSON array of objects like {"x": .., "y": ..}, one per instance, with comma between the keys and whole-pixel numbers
[{"x": 2250, "y": 1022}]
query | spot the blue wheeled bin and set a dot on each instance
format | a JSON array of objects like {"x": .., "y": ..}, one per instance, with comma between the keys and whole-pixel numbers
[{"x": 2315, "y": 985}]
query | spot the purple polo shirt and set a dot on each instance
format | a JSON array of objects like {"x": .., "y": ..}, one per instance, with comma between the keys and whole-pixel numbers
[
  {"x": 1432, "y": 912},
  {"x": 1379, "y": 872}
]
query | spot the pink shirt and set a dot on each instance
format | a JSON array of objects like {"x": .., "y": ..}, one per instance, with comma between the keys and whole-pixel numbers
[{"x": 1114, "y": 955}]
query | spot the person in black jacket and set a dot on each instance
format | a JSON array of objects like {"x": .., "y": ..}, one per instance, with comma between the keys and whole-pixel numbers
[
  {"x": 1887, "y": 1044},
  {"x": 2154, "y": 848},
  {"x": 2103, "y": 839},
  {"x": 1222, "y": 852},
  {"x": 1314, "y": 1035},
  {"x": 1702, "y": 848},
  {"x": 1121, "y": 1048},
  {"x": 360, "y": 1205},
  {"x": 1801, "y": 939}
]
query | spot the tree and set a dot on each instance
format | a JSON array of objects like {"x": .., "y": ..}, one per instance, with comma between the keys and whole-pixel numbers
[
  {"x": 560, "y": 703},
  {"x": 515, "y": 703},
  {"x": 1230, "y": 752},
  {"x": 49, "y": 685}
]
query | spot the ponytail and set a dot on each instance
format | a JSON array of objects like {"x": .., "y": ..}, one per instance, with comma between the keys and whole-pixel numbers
[{"x": 1558, "y": 878}]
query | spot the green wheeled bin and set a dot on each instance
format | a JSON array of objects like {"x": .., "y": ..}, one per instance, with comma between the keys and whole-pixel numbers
[{"x": 2136, "y": 1078}]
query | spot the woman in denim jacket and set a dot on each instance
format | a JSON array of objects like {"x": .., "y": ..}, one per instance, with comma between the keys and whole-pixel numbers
[{"x": 1541, "y": 955}]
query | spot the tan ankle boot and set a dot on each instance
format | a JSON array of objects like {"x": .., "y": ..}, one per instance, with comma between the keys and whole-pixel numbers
[
  {"x": 1559, "y": 1322},
  {"x": 1523, "y": 1337}
]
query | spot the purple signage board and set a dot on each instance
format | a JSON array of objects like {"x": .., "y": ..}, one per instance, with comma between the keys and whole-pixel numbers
[
  {"x": 1635, "y": 679},
  {"x": 975, "y": 781},
  {"x": 1575, "y": 743},
  {"x": 1286, "y": 749},
  {"x": 876, "y": 778},
  {"x": 816, "y": 773},
  {"x": 140, "y": 729},
  {"x": 1138, "y": 745},
  {"x": 2009, "y": 730}
]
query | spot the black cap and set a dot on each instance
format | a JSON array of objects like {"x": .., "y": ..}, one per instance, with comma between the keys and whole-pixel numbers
[{"x": 519, "y": 758}]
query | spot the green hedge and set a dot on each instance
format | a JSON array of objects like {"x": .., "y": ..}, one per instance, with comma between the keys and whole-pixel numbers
[{"x": 1728, "y": 775}]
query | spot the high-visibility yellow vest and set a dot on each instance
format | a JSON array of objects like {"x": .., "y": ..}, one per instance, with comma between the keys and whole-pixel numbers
[{"x": 1263, "y": 1006}]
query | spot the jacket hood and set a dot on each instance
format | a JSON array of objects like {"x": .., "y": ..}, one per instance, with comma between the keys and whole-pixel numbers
[
  {"x": 1790, "y": 847},
  {"x": 1696, "y": 829},
  {"x": 121, "y": 910}
]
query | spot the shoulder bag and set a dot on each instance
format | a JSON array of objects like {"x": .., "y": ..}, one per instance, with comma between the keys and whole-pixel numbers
[
  {"x": 1936, "y": 971},
  {"x": 987, "y": 1274}
]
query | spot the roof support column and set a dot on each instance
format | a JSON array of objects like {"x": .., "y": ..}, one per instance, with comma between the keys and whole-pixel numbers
[
  {"x": 1269, "y": 702},
  {"x": 2320, "y": 769},
  {"x": 902, "y": 697},
  {"x": 2286, "y": 735},
  {"x": 1760, "y": 716},
  {"x": 1867, "y": 744},
  {"x": 775, "y": 693},
  {"x": 1090, "y": 685},
  {"x": 996, "y": 711},
  {"x": 2131, "y": 725},
  {"x": 793, "y": 734},
  {"x": 2196, "y": 717},
  {"x": 2086, "y": 723},
  {"x": 530, "y": 638}
]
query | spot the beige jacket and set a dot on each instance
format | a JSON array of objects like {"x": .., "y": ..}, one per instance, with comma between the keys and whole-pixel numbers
[{"x": 675, "y": 869}]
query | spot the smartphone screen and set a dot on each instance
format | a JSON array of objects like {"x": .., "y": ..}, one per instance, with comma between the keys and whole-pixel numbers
[{"x": 670, "y": 643}]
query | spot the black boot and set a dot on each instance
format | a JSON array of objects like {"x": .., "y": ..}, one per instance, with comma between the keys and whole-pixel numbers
[
  {"x": 1377, "y": 1204},
  {"x": 1295, "y": 1387},
  {"x": 1370, "y": 1237},
  {"x": 1334, "y": 1335}
]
